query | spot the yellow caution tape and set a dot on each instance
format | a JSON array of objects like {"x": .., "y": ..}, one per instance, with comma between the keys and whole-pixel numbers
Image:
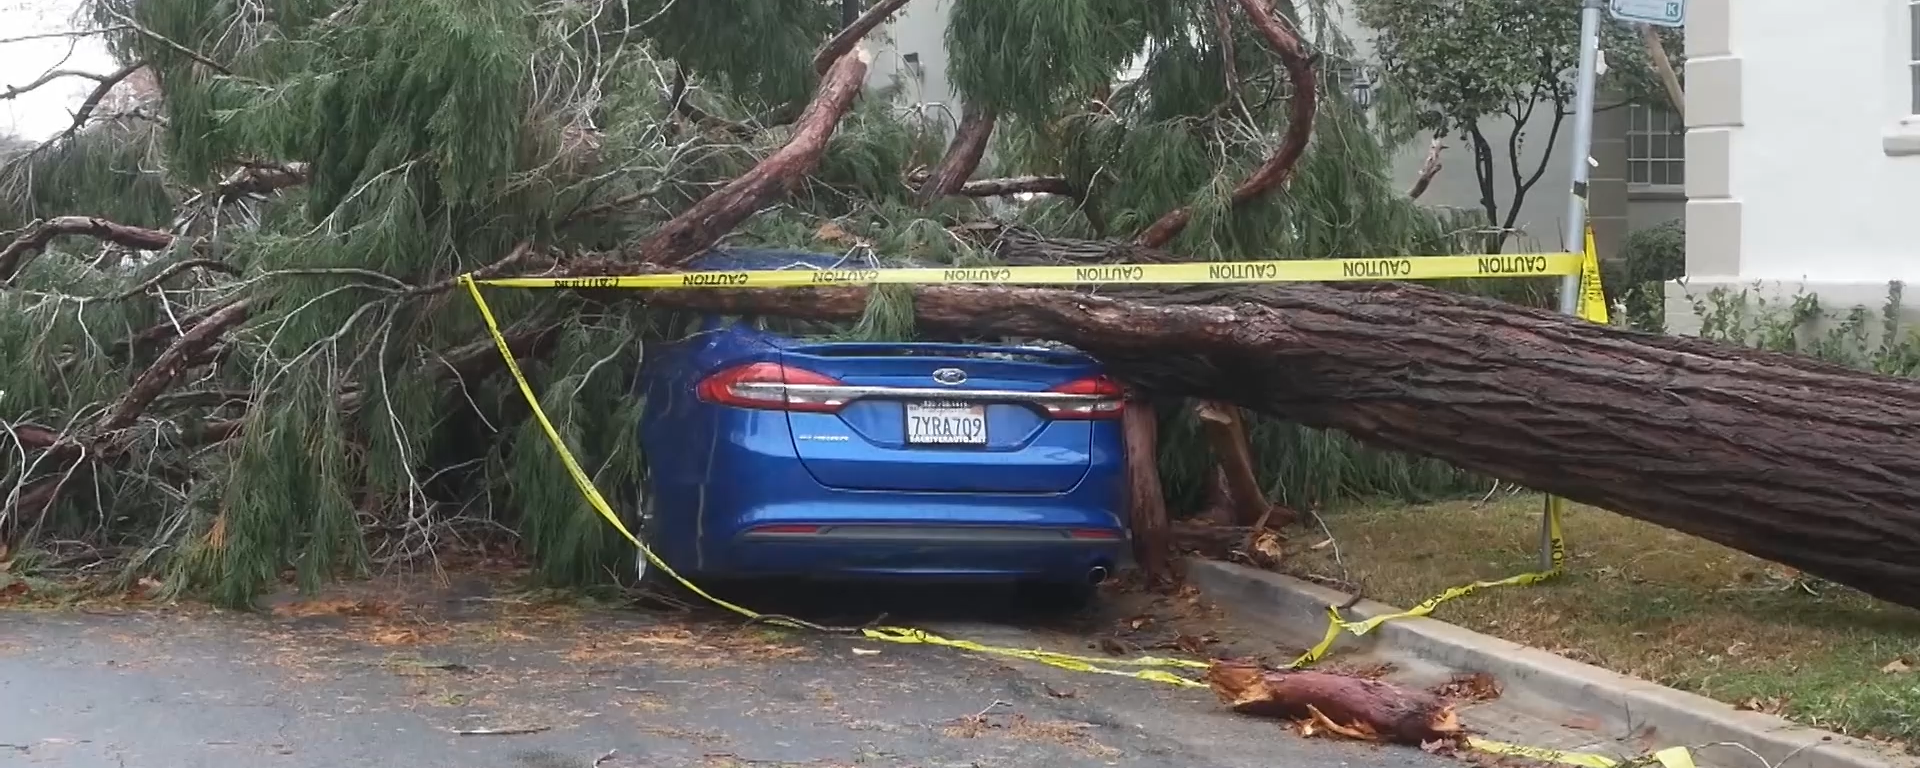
[
  {"x": 1336, "y": 623},
  {"x": 1593, "y": 299},
  {"x": 1542, "y": 754},
  {"x": 1671, "y": 757},
  {"x": 1197, "y": 273}
]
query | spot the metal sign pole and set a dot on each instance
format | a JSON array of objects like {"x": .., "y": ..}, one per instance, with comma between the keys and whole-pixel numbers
[{"x": 1576, "y": 232}]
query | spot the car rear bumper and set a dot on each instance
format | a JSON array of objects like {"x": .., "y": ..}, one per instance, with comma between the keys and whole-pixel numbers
[
  {"x": 927, "y": 551},
  {"x": 746, "y": 507}
]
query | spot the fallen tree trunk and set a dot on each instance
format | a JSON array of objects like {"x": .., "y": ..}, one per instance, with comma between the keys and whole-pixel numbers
[{"x": 1800, "y": 462}]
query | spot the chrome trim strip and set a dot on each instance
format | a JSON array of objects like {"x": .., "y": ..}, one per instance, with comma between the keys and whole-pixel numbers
[{"x": 839, "y": 392}]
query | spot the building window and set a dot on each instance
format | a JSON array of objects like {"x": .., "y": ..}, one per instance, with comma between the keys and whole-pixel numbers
[
  {"x": 1913, "y": 52},
  {"x": 1657, "y": 146}
]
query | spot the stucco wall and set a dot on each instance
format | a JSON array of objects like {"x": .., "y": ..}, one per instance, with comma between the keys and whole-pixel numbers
[
  {"x": 1803, "y": 159},
  {"x": 1822, "y": 199},
  {"x": 920, "y": 28}
]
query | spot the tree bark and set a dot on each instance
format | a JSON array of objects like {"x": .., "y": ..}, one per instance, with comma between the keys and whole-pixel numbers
[
  {"x": 1797, "y": 461},
  {"x": 963, "y": 155}
]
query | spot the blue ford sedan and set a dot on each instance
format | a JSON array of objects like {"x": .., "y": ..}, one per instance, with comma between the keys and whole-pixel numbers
[{"x": 773, "y": 455}]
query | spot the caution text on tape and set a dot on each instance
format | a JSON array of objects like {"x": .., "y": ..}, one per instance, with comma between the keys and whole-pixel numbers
[{"x": 1199, "y": 273}]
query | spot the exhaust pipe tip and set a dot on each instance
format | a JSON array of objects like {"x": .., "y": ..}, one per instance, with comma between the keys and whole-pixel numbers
[{"x": 1097, "y": 575}]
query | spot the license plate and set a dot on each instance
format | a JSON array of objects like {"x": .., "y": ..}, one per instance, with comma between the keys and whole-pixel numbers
[{"x": 942, "y": 423}]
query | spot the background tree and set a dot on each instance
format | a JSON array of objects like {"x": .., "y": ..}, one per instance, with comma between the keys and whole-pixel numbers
[{"x": 1466, "y": 68}]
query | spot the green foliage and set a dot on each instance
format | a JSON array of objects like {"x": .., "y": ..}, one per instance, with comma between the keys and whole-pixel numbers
[
  {"x": 1857, "y": 336},
  {"x": 1460, "y": 61},
  {"x": 1649, "y": 259},
  {"x": 104, "y": 172},
  {"x": 1030, "y": 59},
  {"x": 1455, "y": 66},
  {"x": 760, "y": 51}
]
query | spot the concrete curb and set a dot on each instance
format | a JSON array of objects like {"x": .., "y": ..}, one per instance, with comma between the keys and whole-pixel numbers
[{"x": 1296, "y": 610}]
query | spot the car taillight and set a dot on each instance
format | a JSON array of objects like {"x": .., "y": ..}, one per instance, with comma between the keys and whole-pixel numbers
[
  {"x": 772, "y": 386},
  {"x": 1112, "y": 399}
]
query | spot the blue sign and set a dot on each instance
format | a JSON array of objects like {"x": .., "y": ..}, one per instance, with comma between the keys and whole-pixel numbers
[{"x": 1662, "y": 13}]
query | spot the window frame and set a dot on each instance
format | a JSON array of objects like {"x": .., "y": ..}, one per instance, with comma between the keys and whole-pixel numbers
[
  {"x": 1913, "y": 58},
  {"x": 1673, "y": 133}
]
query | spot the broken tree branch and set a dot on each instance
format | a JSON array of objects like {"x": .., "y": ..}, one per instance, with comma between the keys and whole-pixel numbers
[
  {"x": 51, "y": 75},
  {"x": 1273, "y": 173},
  {"x": 42, "y": 233},
  {"x": 853, "y": 33},
  {"x": 1429, "y": 168},
  {"x": 1663, "y": 66},
  {"x": 1227, "y": 436},
  {"x": 963, "y": 154},
  {"x": 1354, "y": 707},
  {"x": 1007, "y": 187},
  {"x": 699, "y": 227}
]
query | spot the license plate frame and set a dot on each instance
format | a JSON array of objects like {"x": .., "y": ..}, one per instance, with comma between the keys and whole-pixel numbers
[{"x": 945, "y": 424}]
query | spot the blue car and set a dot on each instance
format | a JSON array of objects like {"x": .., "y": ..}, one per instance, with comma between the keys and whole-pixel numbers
[{"x": 773, "y": 456}]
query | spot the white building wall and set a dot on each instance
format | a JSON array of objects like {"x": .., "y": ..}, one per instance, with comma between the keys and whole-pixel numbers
[
  {"x": 1804, "y": 153},
  {"x": 1822, "y": 199},
  {"x": 918, "y": 31}
]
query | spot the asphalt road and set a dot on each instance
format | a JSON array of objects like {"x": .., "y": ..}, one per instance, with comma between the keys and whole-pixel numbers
[{"x": 365, "y": 683}]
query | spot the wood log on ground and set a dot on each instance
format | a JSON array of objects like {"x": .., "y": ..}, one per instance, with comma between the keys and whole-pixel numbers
[
  {"x": 1352, "y": 706},
  {"x": 1796, "y": 461}
]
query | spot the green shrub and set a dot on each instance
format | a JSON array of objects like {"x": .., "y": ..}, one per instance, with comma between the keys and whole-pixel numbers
[{"x": 1637, "y": 280}]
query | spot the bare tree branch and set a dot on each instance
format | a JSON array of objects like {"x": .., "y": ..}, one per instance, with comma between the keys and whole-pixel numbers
[
  {"x": 16, "y": 91},
  {"x": 164, "y": 40},
  {"x": 65, "y": 33},
  {"x": 92, "y": 102},
  {"x": 41, "y": 233}
]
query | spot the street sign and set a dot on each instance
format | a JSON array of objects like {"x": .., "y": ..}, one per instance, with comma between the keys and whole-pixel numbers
[{"x": 1661, "y": 13}]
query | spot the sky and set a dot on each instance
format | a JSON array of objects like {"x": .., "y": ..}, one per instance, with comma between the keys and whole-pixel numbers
[{"x": 44, "y": 111}]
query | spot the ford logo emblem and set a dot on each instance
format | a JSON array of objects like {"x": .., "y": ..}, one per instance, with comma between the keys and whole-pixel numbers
[{"x": 950, "y": 376}]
